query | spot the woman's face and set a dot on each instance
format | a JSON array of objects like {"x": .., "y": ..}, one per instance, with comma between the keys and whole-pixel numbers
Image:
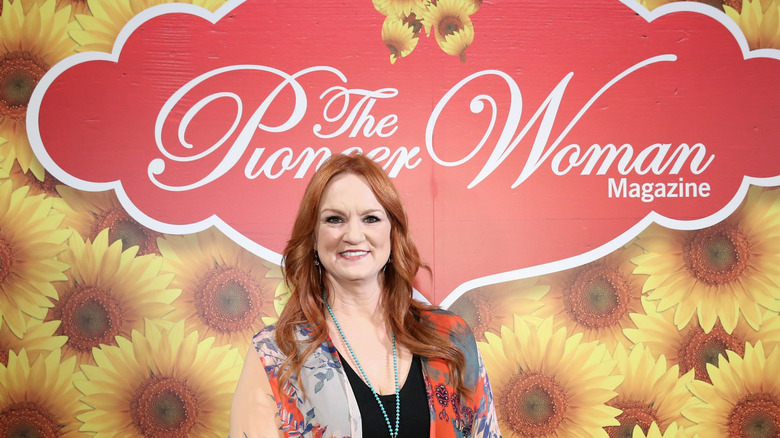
[{"x": 353, "y": 232}]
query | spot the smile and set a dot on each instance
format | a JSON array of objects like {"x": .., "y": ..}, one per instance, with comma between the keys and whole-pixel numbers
[{"x": 350, "y": 254}]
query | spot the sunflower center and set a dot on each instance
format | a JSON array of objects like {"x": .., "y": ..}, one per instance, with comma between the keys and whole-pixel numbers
[
  {"x": 634, "y": 413},
  {"x": 599, "y": 297},
  {"x": 533, "y": 404},
  {"x": 697, "y": 349},
  {"x": 394, "y": 47},
  {"x": 122, "y": 227},
  {"x": 449, "y": 25},
  {"x": 6, "y": 258},
  {"x": 90, "y": 317},
  {"x": 736, "y": 4},
  {"x": 228, "y": 299},
  {"x": 717, "y": 255},
  {"x": 415, "y": 23},
  {"x": 755, "y": 416},
  {"x": 164, "y": 407},
  {"x": 47, "y": 186},
  {"x": 4, "y": 352},
  {"x": 19, "y": 74},
  {"x": 27, "y": 419}
]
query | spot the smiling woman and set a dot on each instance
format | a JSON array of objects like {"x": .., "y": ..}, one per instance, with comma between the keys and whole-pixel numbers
[
  {"x": 353, "y": 354},
  {"x": 353, "y": 235}
]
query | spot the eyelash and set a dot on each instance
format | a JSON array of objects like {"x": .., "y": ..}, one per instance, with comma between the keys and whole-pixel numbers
[{"x": 371, "y": 219}]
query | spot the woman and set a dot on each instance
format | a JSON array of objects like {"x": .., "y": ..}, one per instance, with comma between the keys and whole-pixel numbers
[{"x": 352, "y": 346}]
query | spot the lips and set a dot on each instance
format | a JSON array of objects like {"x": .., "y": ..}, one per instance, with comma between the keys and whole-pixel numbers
[{"x": 352, "y": 254}]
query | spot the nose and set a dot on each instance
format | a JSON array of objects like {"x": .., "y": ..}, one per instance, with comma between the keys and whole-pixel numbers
[{"x": 354, "y": 231}]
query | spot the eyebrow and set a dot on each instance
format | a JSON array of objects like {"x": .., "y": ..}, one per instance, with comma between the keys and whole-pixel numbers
[{"x": 362, "y": 213}]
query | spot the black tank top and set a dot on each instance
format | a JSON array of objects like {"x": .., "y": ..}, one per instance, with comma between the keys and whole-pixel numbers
[{"x": 415, "y": 415}]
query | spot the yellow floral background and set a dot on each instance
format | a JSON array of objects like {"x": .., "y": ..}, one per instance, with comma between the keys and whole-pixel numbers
[{"x": 108, "y": 328}]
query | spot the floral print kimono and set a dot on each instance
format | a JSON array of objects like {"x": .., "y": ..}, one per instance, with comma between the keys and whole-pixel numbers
[{"x": 330, "y": 410}]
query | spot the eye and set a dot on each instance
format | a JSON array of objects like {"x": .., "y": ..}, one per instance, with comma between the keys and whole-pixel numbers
[
  {"x": 371, "y": 219},
  {"x": 334, "y": 219}
]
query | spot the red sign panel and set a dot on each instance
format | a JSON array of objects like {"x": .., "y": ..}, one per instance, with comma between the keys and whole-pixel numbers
[{"x": 553, "y": 140}]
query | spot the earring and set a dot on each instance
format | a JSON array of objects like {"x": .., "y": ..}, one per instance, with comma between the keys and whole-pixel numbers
[
  {"x": 317, "y": 264},
  {"x": 389, "y": 262}
]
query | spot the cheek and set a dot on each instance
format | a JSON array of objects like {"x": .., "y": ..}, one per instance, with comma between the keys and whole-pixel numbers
[
  {"x": 325, "y": 238},
  {"x": 387, "y": 237}
]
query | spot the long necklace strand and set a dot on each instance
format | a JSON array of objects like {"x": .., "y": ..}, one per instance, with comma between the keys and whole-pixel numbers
[{"x": 393, "y": 434}]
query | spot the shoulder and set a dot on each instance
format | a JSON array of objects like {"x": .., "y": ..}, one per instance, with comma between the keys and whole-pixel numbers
[
  {"x": 266, "y": 336},
  {"x": 448, "y": 322},
  {"x": 459, "y": 333},
  {"x": 266, "y": 346},
  {"x": 265, "y": 341}
]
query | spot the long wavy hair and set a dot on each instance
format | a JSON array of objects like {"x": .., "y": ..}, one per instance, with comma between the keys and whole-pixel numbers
[{"x": 306, "y": 305}]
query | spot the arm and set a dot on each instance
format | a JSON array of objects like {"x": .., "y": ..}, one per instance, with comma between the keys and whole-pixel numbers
[
  {"x": 485, "y": 422},
  {"x": 253, "y": 413}
]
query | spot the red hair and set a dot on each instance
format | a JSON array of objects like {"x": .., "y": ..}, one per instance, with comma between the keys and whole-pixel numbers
[{"x": 306, "y": 305}]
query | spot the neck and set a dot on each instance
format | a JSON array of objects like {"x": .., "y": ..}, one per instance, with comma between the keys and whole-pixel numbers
[{"x": 356, "y": 300}]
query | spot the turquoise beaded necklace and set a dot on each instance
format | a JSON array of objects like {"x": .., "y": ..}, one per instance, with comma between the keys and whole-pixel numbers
[{"x": 393, "y": 432}]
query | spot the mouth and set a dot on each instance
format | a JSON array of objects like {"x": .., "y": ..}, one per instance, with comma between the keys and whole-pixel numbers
[{"x": 353, "y": 254}]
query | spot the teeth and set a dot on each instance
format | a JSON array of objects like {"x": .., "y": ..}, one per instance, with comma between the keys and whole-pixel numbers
[{"x": 353, "y": 253}]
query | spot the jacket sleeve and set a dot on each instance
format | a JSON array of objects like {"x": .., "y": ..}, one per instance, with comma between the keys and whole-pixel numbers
[
  {"x": 485, "y": 420},
  {"x": 254, "y": 413},
  {"x": 475, "y": 415}
]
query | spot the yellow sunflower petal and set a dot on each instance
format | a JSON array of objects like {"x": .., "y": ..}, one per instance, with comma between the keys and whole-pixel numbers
[
  {"x": 108, "y": 293},
  {"x": 539, "y": 387},
  {"x": 195, "y": 380},
  {"x": 33, "y": 37},
  {"x": 226, "y": 290},
  {"x": 38, "y": 396},
  {"x": 29, "y": 243}
]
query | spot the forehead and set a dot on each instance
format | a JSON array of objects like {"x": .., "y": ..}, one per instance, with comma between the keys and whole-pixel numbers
[{"x": 348, "y": 190}]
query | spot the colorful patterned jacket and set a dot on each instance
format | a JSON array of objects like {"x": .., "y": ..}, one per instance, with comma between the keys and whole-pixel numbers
[{"x": 330, "y": 410}]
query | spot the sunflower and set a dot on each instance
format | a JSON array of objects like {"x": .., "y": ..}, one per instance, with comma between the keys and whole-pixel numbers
[
  {"x": 672, "y": 431},
  {"x": 718, "y": 272},
  {"x": 487, "y": 308},
  {"x": 108, "y": 17},
  {"x": 547, "y": 383},
  {"x": 692, "y": 348},
  {"x": 39, "y": 338},
  {"x": 651, "y": 393},
  {"x": 473, "y": 4},
  {"x": 596, "y": 299},
  {"x": 400, "y": 8},
  {"x": 227, "y": 292},
  {"x": 32, "y": 39},
  {"x": 456, "y": 44},
  {"x": 398, "y": 37},
  {"x": 47, "y": 185},
  {"x": 162, "y": 383},
  {"x": 77, "y": 7},
  {"x": 37, "y": 397},
  {"x": 737, "y": 4},
  {"x": 760, "y": 21},
  {"x": 29, "y": 243},
  {"x": 109, "y": 293},
  {"x": 743, "y": 399},
  {"x": 90, "y": 213},
  {"x": 448, "y": 18}
]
